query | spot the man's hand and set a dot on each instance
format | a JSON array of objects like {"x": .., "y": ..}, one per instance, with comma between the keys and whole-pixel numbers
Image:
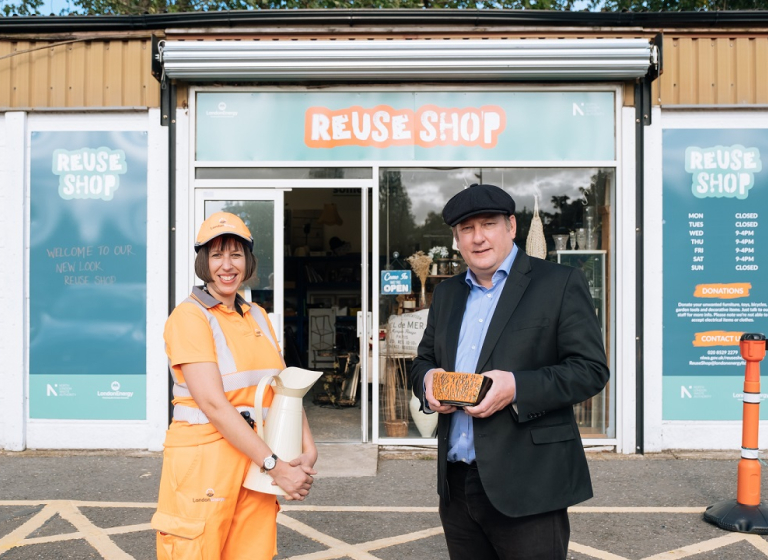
[
  {"x": 434, "y": 404},
  {"x": 500, "y": 395}
]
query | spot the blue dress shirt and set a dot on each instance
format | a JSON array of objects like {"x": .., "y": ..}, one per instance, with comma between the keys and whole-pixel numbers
[{"x": 481, "y": 304}]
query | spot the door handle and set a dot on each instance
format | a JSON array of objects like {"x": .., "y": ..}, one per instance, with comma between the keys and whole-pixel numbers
[{"x": 360, "y": 323}]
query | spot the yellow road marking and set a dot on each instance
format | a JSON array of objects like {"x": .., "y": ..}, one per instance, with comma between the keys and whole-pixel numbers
[
  {"x": 95, "y": 536},
  {"x": 698, "y": 548},
  {"x": 14, "y": 538},
  {"x": 371, "y": 509},
  {"x": 129, "y": 529},
  {"x": 401, "y": 539},
  {"x": 758, "y": 542},
  {"x": 100, "y": 538},
  {"x": 81, "y": 504},
  {"x": 594, "y": 552},
  {"x": 621, "y": 509},
  {"x": 359, "y": 550},
  {"x": 338, "y": 548}
]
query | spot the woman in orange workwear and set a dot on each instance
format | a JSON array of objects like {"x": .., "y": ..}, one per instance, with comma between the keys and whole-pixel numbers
[{"x": 219, "y": 347}]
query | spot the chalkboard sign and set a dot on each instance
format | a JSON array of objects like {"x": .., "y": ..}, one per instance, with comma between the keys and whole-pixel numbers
[{"x": 87, "y": 275}]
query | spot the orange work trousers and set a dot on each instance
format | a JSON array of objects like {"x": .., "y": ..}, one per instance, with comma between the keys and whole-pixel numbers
[{"x": 203, "y": 511}]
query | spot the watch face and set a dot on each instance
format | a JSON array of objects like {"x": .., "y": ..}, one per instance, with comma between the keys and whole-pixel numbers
[{"x": 269, "y": 463}]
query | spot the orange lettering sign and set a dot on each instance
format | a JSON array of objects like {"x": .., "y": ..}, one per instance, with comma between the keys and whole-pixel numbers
[
  {"x": 717, "y": 338},
  {"x": 383, "y": 126},
  {"x": 722, "y": 291}
]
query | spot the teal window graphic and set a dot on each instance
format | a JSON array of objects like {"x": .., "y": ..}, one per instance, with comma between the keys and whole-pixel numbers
[
  {"x": 88, "y": 275},
  {"x": 722, "y": 171}
]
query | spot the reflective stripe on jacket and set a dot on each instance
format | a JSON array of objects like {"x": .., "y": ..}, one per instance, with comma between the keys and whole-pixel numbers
[{"x": 230, "y": 377}]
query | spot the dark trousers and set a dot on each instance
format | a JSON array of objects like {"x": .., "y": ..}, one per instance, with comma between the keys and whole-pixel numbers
[{"x": 475, "y": 530}]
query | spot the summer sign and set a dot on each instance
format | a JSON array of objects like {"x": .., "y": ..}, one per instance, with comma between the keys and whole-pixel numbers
[{"x": 715, "y": 270}]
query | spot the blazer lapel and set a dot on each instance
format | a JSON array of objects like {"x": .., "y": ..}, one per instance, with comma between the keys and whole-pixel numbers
[
  {"x": 513, "y": 291},
  {"x": 453, "y": 327}
]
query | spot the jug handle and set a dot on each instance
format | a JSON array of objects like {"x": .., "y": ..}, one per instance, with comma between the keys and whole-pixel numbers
[{"x": 257, "y": 404}]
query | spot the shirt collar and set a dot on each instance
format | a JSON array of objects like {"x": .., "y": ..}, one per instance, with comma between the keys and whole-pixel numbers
[
  {"x": 501, "y": 273},
  {"x": 203, "y": 296}
]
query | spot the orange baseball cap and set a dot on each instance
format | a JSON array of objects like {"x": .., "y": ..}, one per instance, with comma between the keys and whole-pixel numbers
[{"x": 223, "y": 223}]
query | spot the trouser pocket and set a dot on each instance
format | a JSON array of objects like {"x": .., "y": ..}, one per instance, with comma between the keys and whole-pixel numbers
[{"x": 178, "y": 538}]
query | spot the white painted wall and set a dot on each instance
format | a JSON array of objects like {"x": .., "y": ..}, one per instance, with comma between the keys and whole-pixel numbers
[
  {"x": 624, "y": 296},
  {"x": 13, "y": 397},
  {"x": 660, "y": 434},
  {"x": 653, "y": 284},
  {"x": 158, "y": 402},
  {"x": 17, "y": 431},
  {"x": 4, "y": 185}
]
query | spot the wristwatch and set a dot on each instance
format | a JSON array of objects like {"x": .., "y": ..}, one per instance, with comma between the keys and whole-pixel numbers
[{"x": 269, "y": 463}]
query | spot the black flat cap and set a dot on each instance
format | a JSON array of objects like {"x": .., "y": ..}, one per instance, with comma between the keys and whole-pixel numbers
[{"x": 477, "y": 199}]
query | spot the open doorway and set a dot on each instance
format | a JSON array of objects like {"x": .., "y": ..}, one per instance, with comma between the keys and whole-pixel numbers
[{"x": 322, "y": 287}]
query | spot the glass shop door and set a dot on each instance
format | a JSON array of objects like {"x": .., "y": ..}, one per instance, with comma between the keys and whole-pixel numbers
[
  {"x": 317, "y": 299},
  {"x": 262, "y": 212}
]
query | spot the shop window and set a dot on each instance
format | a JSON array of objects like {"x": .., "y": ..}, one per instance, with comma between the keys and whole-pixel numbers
[{"x": 575, "y": 209}]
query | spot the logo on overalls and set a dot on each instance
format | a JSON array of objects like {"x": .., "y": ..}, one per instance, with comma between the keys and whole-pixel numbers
[{"x": 210, "y": 493}]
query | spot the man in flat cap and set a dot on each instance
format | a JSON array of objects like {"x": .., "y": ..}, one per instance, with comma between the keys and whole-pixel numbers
[{"x": 509, "y": 467}]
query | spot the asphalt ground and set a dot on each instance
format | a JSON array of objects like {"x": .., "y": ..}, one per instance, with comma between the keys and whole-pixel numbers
[{"x": 91, "y": 505}]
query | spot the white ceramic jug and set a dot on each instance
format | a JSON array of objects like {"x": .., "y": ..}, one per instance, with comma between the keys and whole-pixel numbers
[{"x": 283, "y": 427}]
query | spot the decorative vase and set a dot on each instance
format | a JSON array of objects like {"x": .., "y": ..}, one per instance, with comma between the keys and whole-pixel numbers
[
  {"x": 423, "y": 294},
  {"x": 590, "y": 238},
  {"x": 425, "y": 423},
  {"x": 536, "y": 244},
  {"x": 581, "y": 238},
  {"x": 561, "y": 241}
]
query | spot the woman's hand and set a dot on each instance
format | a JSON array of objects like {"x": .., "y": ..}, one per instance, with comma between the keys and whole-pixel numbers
[
  {"x": 294, "y": 479},
  {"x": 307, "y": 460}
]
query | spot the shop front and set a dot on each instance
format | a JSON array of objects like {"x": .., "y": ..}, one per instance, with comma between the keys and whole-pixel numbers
[
  {"x": 339, "y": 148},
  {"x": 343, "y": 190}
]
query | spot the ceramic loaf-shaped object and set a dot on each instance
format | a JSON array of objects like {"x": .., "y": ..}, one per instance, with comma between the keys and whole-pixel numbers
[
  {"x": 536, "y": 244},
  {"x": 460, "y": 389}
]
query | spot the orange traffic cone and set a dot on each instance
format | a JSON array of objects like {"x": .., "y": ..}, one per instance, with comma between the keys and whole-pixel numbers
[{"x": 746, "y": 514}]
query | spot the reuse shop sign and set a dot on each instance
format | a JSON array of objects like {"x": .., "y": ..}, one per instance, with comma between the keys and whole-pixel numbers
[
  {"x": 715, "y": 196},
  {"x": 89, "y": 173},
  {"x": 384, "y": 126}
]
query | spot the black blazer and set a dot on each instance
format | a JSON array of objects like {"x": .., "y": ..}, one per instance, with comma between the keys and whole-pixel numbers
[{"x": 546, "y": 332}]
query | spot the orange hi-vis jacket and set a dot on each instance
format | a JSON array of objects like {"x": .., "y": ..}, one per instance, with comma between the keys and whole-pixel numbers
[
  {"x": 245, "y": 349},
  {"x": 203, "y": 511}
]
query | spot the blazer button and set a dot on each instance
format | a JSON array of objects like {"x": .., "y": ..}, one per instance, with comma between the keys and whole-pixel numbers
[{"x": 530, "y": 415}]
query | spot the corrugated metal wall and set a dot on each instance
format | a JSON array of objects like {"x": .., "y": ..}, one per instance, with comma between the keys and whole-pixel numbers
[
  {"x": 715, "y": 70},
  {"x": 115, "y": 72},
  {"x": 77, "y": 73}
]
